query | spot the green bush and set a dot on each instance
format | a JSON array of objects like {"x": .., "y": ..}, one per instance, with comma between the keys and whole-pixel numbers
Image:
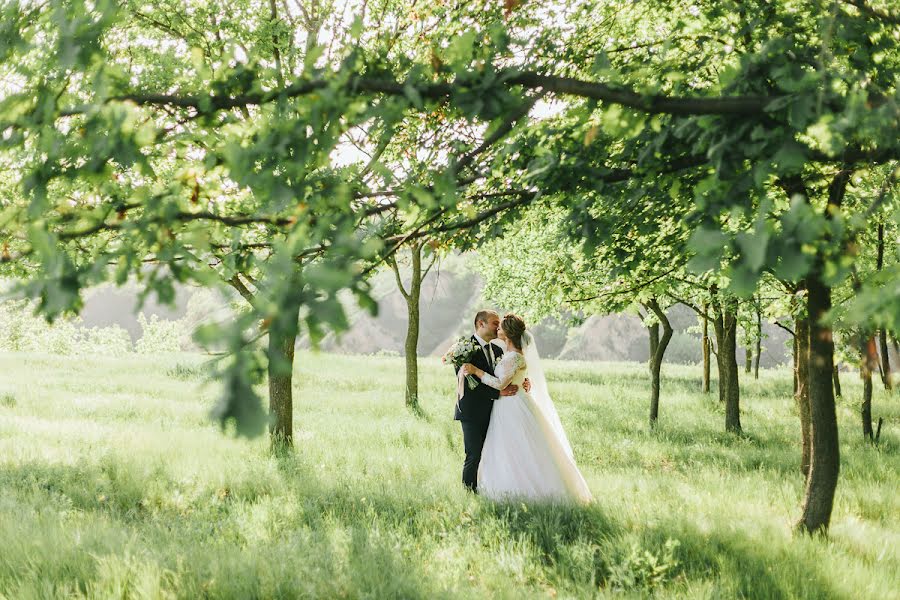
[{"x": 160, "y": 336}]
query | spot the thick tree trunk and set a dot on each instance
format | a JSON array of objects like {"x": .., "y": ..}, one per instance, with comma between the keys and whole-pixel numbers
[
  {"x": 825, "y": 460},
  {"x": 825, "y": 463},
  {"x": 281, "y": 402},
  {"x": 658, "y": 350},
  {"x": 836, "y": 380},
  {"x": 705, "y": 348},
  {"x": 801, "y": 393},
  {"x": 282, "y": 336},
  {"x": 725, "y": 325}
]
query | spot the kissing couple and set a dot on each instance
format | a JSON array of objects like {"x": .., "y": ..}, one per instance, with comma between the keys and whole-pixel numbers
[{"x": 515, "y": 444}]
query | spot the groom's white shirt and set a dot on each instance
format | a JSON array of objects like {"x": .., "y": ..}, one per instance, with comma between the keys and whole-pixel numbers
[{"x": 484, "y": 348}]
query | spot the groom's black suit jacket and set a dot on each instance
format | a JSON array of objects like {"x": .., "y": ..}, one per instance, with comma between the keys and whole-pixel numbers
[{"x": 476, "y": 405}]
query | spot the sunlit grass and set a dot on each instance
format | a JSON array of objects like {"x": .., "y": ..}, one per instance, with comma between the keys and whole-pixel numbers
[{"x": 114, "y": 483}]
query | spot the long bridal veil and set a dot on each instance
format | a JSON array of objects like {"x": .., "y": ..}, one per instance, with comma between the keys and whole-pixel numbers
[{"x": 539, "y": 391}]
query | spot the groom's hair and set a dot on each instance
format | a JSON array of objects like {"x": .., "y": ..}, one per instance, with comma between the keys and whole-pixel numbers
[{"x": 484, "y": 315}]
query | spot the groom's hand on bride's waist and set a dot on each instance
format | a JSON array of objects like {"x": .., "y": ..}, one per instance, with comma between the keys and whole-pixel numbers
[{"x": 512, "y": 390}]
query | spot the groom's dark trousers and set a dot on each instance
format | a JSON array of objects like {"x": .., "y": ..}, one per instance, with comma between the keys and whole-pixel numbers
[
  {"x": 473, "y": 411},
  {"x": 473, "y": 441}
]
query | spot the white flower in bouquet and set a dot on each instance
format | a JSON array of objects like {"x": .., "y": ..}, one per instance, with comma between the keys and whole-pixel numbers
[{"x": 459, "y": 353}]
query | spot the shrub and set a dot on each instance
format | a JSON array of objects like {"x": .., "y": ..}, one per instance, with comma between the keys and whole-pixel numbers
[{"x": 159, "y": 335}]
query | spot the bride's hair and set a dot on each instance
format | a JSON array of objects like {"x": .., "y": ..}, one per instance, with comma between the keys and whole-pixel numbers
[{"x": 514, "y": 328}]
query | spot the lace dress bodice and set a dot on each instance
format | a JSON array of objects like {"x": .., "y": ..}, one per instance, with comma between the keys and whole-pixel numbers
[{"x": 511, "y": 369}]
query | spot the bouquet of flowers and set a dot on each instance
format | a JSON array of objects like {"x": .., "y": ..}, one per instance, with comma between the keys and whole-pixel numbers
[{"x": 460, "y": 353}]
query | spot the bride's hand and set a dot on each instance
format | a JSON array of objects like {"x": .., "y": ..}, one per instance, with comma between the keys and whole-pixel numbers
[{"x": 470, "y": 369}]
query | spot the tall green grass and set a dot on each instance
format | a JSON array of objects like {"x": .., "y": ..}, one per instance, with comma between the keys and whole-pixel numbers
[{"x": 114, "y": 484}]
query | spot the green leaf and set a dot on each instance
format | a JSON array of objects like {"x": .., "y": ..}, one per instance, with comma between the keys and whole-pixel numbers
[
  {"x": 753, "y": 248},
  {"x": 791, "y": 157}
]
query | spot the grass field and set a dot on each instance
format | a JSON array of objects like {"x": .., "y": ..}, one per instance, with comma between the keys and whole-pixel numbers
[{"x": 114, "y": 484}]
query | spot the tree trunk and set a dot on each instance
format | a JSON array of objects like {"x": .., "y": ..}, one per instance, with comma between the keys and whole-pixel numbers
[
  {"x": 825, "y": 460},
  {"x": 412, "y": 334},
  {"x": 705, "y": 341},
  {"x": 283, "y": 330},
  {"x": 868, "y": 362},
  {"x": 411, "y": 347},
  {"x": 885, "y": 361},
  {"x": 725, "y": 325},
  {"x": 882, "y": 337},
  {"x": 836, "y": 380},
  {"x": 658, "y": 350},
  {"x": 796, "y": 364},
  {"x": 801, "y": 386},
  {"x": 748, "y": 359},
  {"x": 825, "y": 463},
  {"x": 732, "y": 397},
  {"x": 281, "y": 402},
  {"x": 758, "y": 339},
  {"x": 653, "y": 332}
]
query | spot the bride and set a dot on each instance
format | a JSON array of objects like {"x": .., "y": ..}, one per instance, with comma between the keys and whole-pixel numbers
[{"x": 526, "y": 453}]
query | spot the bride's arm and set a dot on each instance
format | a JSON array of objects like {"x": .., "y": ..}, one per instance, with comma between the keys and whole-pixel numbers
[{"x": 506, "y": 369}]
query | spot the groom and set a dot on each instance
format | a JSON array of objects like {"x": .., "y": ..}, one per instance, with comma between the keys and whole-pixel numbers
[{"x": 473, "y": 410}]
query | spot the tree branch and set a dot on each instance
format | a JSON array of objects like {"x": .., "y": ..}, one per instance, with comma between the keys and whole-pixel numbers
[
  {"x": 786, "y": 328},
  {"x": 864, "y": 8}
]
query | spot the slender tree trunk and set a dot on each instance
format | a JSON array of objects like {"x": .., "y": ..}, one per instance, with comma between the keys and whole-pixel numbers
[
  {"x": 836, "y": 380},
  {"x": 796, "y": 363},
  {"x": 748, "y": 359},
  {"x": 725, "y": 325},
  {"x": 705, "y": 340},
  {"x": 720, "y": 357},
  {"x": 732, "y": 398},
  {"x": 758, "y": 339},
  {"x": 868, "y": 362},
  {"x": 411, "y": 347},
  {"x": 412, "y": 334},
  {"x": 885, "y": 361},
  {"x": 882, "y": 337},
  {"x": 801, "y": 386},
  {"x": 653, "y": 332},
  {"x": 658, "y": 347}
]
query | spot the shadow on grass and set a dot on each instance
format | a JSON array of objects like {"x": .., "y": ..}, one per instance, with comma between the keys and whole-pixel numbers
[
  {"x": 742, "y": 567},
  {"x": 576, "y": 547}
]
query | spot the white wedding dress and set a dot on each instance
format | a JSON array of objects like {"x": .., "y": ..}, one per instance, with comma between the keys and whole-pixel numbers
[{"x": 526, "y": 453}]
